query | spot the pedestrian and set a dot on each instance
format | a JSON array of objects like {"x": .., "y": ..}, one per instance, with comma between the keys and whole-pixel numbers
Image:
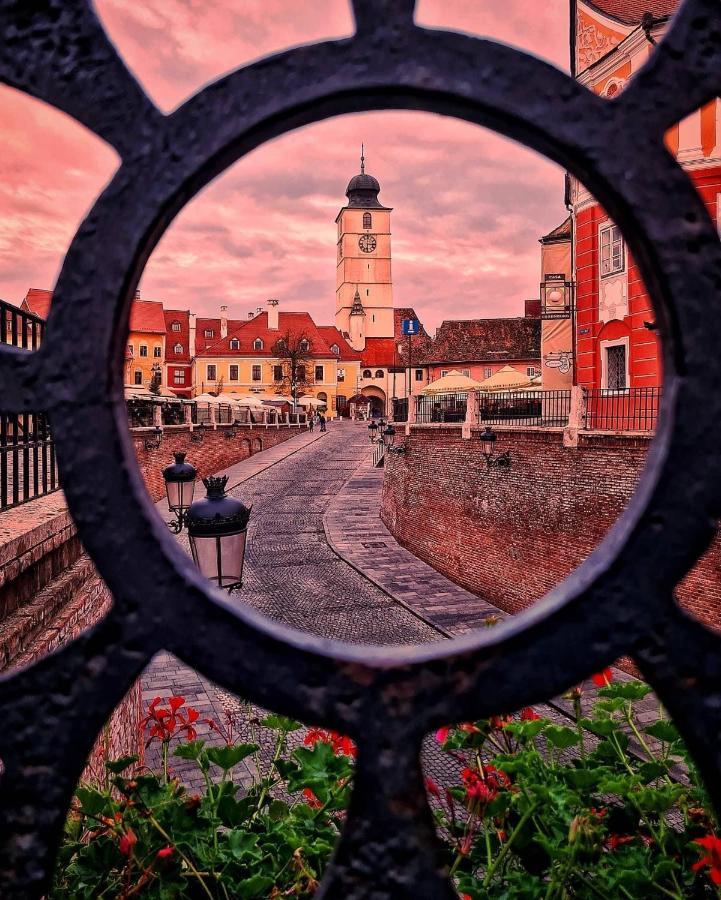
[
  {"x": 322, "y": 422},
  {"x": 311, "y": 422}
]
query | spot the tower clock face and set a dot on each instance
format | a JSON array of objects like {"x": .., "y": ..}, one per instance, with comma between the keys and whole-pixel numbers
[{"x": 367, "y": 243}]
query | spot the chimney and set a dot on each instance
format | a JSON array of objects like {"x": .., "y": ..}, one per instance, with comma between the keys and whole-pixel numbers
[
  {"x": 137, "y": 294},
  {"x": 251, "y": 314},
  {"x": 223, "y": 321},
  {"x": 273, "y": 315}
]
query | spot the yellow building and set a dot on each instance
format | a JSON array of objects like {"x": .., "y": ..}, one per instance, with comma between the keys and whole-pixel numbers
[
  {"x": 146, "y": 343},
  {"x": 236, "y": 356}
]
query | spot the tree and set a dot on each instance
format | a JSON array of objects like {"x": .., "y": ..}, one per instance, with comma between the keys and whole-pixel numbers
[{"x": 294, "y": 349}]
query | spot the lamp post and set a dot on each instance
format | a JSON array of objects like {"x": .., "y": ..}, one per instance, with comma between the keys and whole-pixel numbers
[
  {"x": 217, "y": 530},
  {"x": 179, "y": 486},
  {"x": 196, "y": 437},
  {"x": 154, "y": 442},
  {"x": 376, "y": 430},
  {"x": 389, "y": 439},
  {"x": 488, "y": 446}
]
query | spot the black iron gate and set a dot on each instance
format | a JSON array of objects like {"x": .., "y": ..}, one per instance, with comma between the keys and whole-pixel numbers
[{"x": 619, "y": 602}]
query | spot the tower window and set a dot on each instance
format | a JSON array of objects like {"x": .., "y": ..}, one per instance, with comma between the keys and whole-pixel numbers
[
  {"x": 367, "y": 220},
  {"x": 178, "y": 348},
  {"x": 175, "y": 326},
  {"x": 379, "y": 373},
  {"x": 366, "y": 373}
]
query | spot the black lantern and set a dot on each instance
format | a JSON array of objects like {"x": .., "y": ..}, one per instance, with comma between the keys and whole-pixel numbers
[
  {"x": 488, "y": 446},
  {"x": 389, "y": 439},
  {"x": 154, "y": 442},
  {"x": 197, "y": 434},
  {"x": 217, "y": 529},
  {"x": 179, "y": 486},
  {"x": 232, "y": 431}
]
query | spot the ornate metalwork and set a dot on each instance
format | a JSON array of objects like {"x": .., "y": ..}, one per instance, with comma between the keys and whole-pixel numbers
[{"x": 619, "y": 602}]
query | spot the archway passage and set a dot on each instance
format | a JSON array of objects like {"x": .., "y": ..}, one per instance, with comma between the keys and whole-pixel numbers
[{"x": 378, "y": 401}]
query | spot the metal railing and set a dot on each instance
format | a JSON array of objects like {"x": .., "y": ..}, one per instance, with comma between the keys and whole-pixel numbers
[
  {"x": 379, "y": 454},
  {"x": 27, "y": 459},
  {"x": 140, "y": 413},
  {"x": 531, "y": 408},
  {"x": 400, "y": 409},
  {"x": 19, "y": 328},
  {"x": 441, "y": 408},
  {"x": 635, "y": 409}
]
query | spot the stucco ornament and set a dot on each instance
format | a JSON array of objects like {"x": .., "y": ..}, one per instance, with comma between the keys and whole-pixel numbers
[{"x": 386, "y": 698}]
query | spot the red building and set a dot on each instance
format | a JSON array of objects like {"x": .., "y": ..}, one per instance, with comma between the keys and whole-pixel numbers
[
  {"x": 616, "y": 344},
  {"x": 178, "y": 359}
]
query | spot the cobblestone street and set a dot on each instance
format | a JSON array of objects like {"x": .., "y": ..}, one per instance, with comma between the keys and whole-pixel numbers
[{"x": 319, "y": 559}]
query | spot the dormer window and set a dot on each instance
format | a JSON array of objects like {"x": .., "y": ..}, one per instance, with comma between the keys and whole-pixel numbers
[
  {"x": 178, "y": 348},
  {"x": 335, "y": 349},
  {"x": 235, "y": 344},
  {"x": 304, "y": 345},
  {"x": 258, "y": 344},
  {"x": 175, "y": 326},
  {"x": 367, "y": 220},
  {"x": 209, "y": 332}
]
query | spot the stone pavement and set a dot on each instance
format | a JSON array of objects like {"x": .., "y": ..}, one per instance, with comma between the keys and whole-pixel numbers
[{"x": 319, "y": 559}]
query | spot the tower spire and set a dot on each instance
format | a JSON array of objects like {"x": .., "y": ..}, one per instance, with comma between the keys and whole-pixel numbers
[{"x": 363, "y": 161}]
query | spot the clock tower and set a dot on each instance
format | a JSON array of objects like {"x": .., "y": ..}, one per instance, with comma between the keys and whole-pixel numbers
[{"x": 364, "y": 291}]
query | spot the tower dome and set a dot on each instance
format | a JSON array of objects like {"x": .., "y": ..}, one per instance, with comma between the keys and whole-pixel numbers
[{"x": 362, "y": 190}]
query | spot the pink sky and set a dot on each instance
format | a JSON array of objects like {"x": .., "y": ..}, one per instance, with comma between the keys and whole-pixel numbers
[{"x": 468, "y": 206}]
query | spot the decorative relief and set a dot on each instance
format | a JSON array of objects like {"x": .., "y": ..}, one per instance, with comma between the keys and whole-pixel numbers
[
  {"x": 613, "y": 299},
  {"x": 592, "y": 41}
]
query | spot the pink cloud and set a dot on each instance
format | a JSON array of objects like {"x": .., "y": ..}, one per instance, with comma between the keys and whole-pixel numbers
[{"x": 468, "y": 205}]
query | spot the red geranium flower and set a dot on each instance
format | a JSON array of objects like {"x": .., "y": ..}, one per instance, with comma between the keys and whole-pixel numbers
[
  {"x": 432, "y": 787},
  {"x": 127, "y": 842},
  {"x": 442, "y": 734},
  {"x": 614, "y": 841},
  {"x": 163, "y": 723},
  {"x": 341, "y": 745},
  {"x": 529, "y": 714},
  {"x": 311, "y": 799},
  {"x": 165, "y": 852},
  {"x": 499, "y": 722},
  {"x": 603, "y": 679},
  {"x": 712, "y": 859}
]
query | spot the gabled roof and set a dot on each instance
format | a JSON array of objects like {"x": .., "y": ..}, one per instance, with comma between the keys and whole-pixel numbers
[
  {"x": 379, "y": 352},
  {"x": 174, "y": 337},
  {"x": 38, "y": 301},
  {"x": 247, "y": 332},
  {"x": 559, "y": 234},
  {"x": 630, "y": 12},
  {"x": 333, "y": 336},
  {"x": 147, "y": 316},
  {"x": 486, "y": 340}
]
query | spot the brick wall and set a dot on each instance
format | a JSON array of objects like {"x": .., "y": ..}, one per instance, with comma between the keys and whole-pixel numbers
[
  {"x": 509, "y": 535},
  {"x": 215, "y": 453}
]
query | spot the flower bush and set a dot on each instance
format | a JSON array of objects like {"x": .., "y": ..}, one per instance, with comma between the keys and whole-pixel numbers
[{"x": 602, "y": 806}]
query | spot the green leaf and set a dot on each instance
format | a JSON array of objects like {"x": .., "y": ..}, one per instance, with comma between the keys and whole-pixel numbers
[
  {"x": 281, "y": 723},
  {"x": 118, "y": 765},
  {"x": 663, "y": 731},
  {"x": 227, "y": 757},
  {"x": 257, "y": 886},
  {"x": 561, "y": 736},
  {"x": 92, "y": 802},
  {"x": 243, "y": 844},
  {"x": 191, "y": 750},
  {"x": 526, "y": 731},
  {"x": 601, "y": 727},
  {"x": 277, "y": 810},
  {"x": 626, "y": 690}
]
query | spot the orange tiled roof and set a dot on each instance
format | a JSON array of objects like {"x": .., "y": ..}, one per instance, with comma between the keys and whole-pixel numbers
[
  {"x": 333, "y": 336},
  {"x": 147, "y": 316},
  {"x": 630, "y": 12},
  {"x": 38, "y": 302},
  {"x": 246, "y": 333}
]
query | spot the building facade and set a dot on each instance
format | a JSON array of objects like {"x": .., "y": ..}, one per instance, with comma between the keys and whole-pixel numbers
[
  {"x": 145, "y": 351},
  {"x": 616, "y": 342},
  {"x": 178, "y": 359}
]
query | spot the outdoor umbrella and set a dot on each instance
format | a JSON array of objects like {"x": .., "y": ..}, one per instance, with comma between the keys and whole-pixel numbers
[
  {"x": 508, "y": 379},
  {"x": 453, "y": 383}
]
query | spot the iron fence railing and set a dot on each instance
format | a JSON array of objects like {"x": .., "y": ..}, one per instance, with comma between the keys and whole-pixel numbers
[
  {"x": 172, "y": 413},
  {"x": 20, "y": 328},
  {"x": 379, "y": 454},
  {"x": 634, "y": 409},
  {"x": 140, "y": 413},
  {"x": 27, "y": 459},
  {"x": 441, "y": 408},
  {"x": 532, "y": 408}
]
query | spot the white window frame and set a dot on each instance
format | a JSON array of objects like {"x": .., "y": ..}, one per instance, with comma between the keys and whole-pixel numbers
[
  {"x": 603, "y": 346},
  {"x": 335, "y": 349},
  {"x": 531, "y": 371},
  {"x": 234, "y": 344},
  {"x": 615, "y": 238},
  {"x": 137, "y": 380},
  {"x": 259, "y": 370},
  {"x": 209, "y": 333},
  {"x": 322, "y": 373},
  {"x": 143, "y": 351},
  {"x": 257, "y": 344},
  {"x": 214, "y": 376},
  {"x": 178, "y": 348},
  {"x": 487, "y": 372},
  {"x": 178, "y": 376},
  {"x": 157, "y": 352},
  {"x": 419, "y": 375},
  {"x": 175, "y": 326},
  {"x": 444, "y": 372},
  {"x": 230, "y": 372}
]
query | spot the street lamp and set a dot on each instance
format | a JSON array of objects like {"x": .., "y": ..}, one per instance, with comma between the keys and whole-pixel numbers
[
  {"x": 217, "y": 529},
  {"x": 389, "y": 439},
  {"x": 154, "y": 442},
  {"x": 196, "y": 437},
  {"x": 488, "y": 446},
  {"x": 375, "y": 431},
  {"x": 233, "y": 430},
  {"x": 179, "y": 486}
]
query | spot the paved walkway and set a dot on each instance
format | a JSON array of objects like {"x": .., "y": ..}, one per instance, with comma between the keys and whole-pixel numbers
[{"x": 320, "y": 559}]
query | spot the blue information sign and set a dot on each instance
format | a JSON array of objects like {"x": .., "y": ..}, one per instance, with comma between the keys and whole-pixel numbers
[{"x": 411, "y": 326}]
